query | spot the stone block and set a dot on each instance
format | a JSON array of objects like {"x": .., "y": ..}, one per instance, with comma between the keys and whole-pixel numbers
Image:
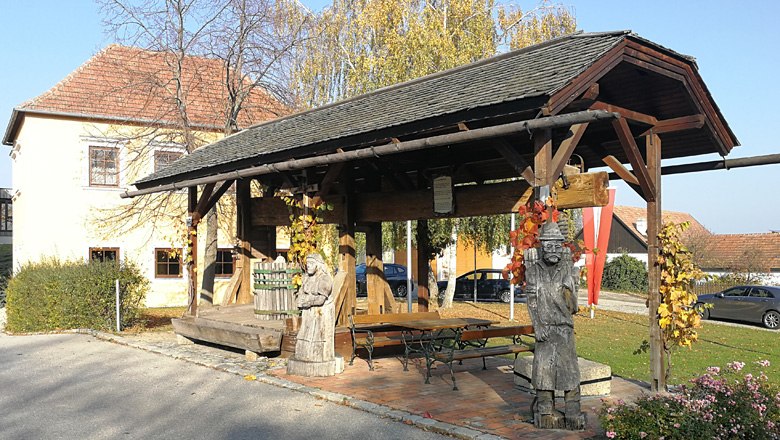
[{"x": 595, "y": 378}]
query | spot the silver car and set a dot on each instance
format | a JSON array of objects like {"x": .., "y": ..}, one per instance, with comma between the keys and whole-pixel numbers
[{"x": 743, "y": 303}]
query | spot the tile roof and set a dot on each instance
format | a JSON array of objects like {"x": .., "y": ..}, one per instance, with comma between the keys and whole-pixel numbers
[
  {"x": 714, "y": 251},
  {"x": 758, "y": 252},
  {"x": 532, "y": 72},
  {"x": 629, "y": 215},
  {"x": 133, "y": 84}
]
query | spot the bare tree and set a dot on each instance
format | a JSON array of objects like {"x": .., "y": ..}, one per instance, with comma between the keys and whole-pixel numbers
[{"x": 248, "y": 43}]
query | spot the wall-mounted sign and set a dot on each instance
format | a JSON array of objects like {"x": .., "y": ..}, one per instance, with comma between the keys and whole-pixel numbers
[
  {"x": 442, "y": 195},
  {"x": 282, "y": 238}
]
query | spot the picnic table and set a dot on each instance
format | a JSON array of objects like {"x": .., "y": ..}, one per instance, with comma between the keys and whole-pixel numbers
[
  {"x": 447, "y": 340},
  {"x": 428, "y": 336}
]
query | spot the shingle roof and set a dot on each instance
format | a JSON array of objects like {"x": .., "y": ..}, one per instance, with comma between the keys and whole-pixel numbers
[
  {"x": 133, "y": 84},
  {"x": 535, "y": 71}
]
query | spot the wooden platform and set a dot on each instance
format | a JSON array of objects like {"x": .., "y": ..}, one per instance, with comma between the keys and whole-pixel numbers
[{"x": 233, "y": 326}]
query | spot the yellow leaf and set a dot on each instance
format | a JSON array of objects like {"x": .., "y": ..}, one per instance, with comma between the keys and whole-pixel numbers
[{"x": 250, "y": 377}]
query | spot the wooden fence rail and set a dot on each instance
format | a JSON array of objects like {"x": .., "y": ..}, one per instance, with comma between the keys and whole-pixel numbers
[{"x": 274, "y": 290}]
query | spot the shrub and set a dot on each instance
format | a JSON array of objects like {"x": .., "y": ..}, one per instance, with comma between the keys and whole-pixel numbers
[
  {"x": 53, "y": 295},
  {"x": 625, "y": 274},
  {"x": 717, "y": 405}
]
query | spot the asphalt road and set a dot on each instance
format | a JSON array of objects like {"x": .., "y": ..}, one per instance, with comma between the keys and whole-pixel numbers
[{"x": 77, "y": 387}]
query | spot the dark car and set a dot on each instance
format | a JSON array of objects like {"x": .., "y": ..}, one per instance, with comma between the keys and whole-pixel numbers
[
  {"x": 394, "y": 273},
  {"x": 491, "y": 286},
  {"x": 743, "y": 303}
]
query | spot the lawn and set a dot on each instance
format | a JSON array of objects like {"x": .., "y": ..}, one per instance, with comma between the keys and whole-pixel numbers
[
  {"x": 611, "y": 338},
  {"x": 616, "y": 339}
]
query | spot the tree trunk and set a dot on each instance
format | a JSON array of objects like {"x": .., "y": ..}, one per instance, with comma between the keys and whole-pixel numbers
[
  {"x": 433, "y": 288},
  {"x": 451, "y": 273},
  {"x": 210, "y": 257}
]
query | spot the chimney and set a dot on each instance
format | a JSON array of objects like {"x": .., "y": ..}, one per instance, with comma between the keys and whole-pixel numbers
[{"x": 641, "y": 226}]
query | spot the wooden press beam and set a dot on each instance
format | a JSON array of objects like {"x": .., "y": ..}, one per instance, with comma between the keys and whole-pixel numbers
[
  {"x": 588, "y": 189},
  {"x": 635, "y": 158}
]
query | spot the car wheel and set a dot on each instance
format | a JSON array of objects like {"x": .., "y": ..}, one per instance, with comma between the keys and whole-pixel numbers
[
  {"x": 506, "y": 296},
  {"x": 400, "y": 291},
  {"x": 772, "y": 320},
  {"x": 704, "y": 312}
]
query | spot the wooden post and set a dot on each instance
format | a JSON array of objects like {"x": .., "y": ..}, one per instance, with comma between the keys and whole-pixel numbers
[
  {"x": 375, "y": 280},
  {"x": 422, "y": 265},
  {"x": 243, "y": 228},
  {"x": 542, "y": 157},
  {"x": 192, "y": 237},
  {"x": 654, "y": 220},
  {"x": 347, "y": 266}
]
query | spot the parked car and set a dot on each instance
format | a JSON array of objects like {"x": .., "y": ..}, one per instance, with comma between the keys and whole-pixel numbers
[
  {"x": 743, "y": 303},
  {"x": 394, "y": 273},
  {"x": 491, "y": 286}
]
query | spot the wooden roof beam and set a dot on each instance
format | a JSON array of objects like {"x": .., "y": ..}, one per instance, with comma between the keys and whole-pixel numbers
[
  {"x": 328, "y": 180},
  {"x": 635, "y": 158},
  {"x": 565, "y": 150},
  {"x": 676, "y": 124},
  {"x": 479, "y": 134},
  {"x": 212, "y": 201},
  {"x": 624, "y": 112},
  {"x": 515, "y": 159}
]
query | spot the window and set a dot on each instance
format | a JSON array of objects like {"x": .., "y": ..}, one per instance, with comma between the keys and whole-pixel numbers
[
  {"x": 103, "y": 166},
  {"x": 224, "y": 266},
  {"x": 737, "y": 291},
  {"x": 164, "y": 158},
  {"x": 758, "y": 292},
  {"x": 6, "y": 217},
  {"x": 167, "y": 263},
  {"x": 103, "y": 254}
]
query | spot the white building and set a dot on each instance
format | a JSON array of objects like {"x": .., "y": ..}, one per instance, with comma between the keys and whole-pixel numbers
[{"x": 76, "y": 147}]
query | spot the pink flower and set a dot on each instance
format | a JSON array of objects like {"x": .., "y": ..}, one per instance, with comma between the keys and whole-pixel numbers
[
  {"x": 736, "y": 365},
  {"x": 713, "y": 370},
  {"x": 676, "y": 425},
  {"x": 611, "y": 434},
  {"x": 642, "y": 434},
  {"x": 763, "y": 363}
]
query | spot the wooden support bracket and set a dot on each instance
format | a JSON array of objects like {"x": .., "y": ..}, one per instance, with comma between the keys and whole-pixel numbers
[
  {"x": 635, "y": 158},
  {"x": 515, "y": 159},
  {"x": 565, "y": 150}
]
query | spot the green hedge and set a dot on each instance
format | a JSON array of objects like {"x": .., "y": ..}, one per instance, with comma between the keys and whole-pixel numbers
[
  {"x": 625, "y": 274},
  {"x": 55, "y": 295}
]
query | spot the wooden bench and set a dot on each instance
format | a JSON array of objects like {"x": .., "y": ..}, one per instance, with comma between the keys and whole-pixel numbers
[
  {"x": 372, "y": 331},
  {"x": 471, "y": 344}
]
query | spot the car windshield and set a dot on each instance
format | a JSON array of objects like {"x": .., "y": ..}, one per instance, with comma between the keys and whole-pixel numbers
[{"x": 360, "y": 269}]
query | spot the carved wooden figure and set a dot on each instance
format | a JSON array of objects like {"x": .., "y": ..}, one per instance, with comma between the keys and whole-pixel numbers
[
  {"x": 552, "y": 300},
  {"x": 314, "y": 349}
]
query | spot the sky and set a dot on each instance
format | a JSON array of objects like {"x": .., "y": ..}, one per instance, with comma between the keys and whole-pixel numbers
[{"x": 734, "y": 43}]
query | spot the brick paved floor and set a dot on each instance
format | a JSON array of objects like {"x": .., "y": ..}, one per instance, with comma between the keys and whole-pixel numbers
[{"x": 487, "y": 400}]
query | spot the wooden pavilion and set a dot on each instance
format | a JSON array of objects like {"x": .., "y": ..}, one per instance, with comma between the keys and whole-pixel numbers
[{"x": 474, "y": 140}]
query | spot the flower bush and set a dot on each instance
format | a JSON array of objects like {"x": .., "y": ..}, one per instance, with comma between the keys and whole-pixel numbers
[{"x": 721, "y": 404}]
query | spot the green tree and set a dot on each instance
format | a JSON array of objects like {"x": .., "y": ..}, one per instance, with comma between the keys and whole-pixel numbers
[{"x": 357, "y": 46}]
